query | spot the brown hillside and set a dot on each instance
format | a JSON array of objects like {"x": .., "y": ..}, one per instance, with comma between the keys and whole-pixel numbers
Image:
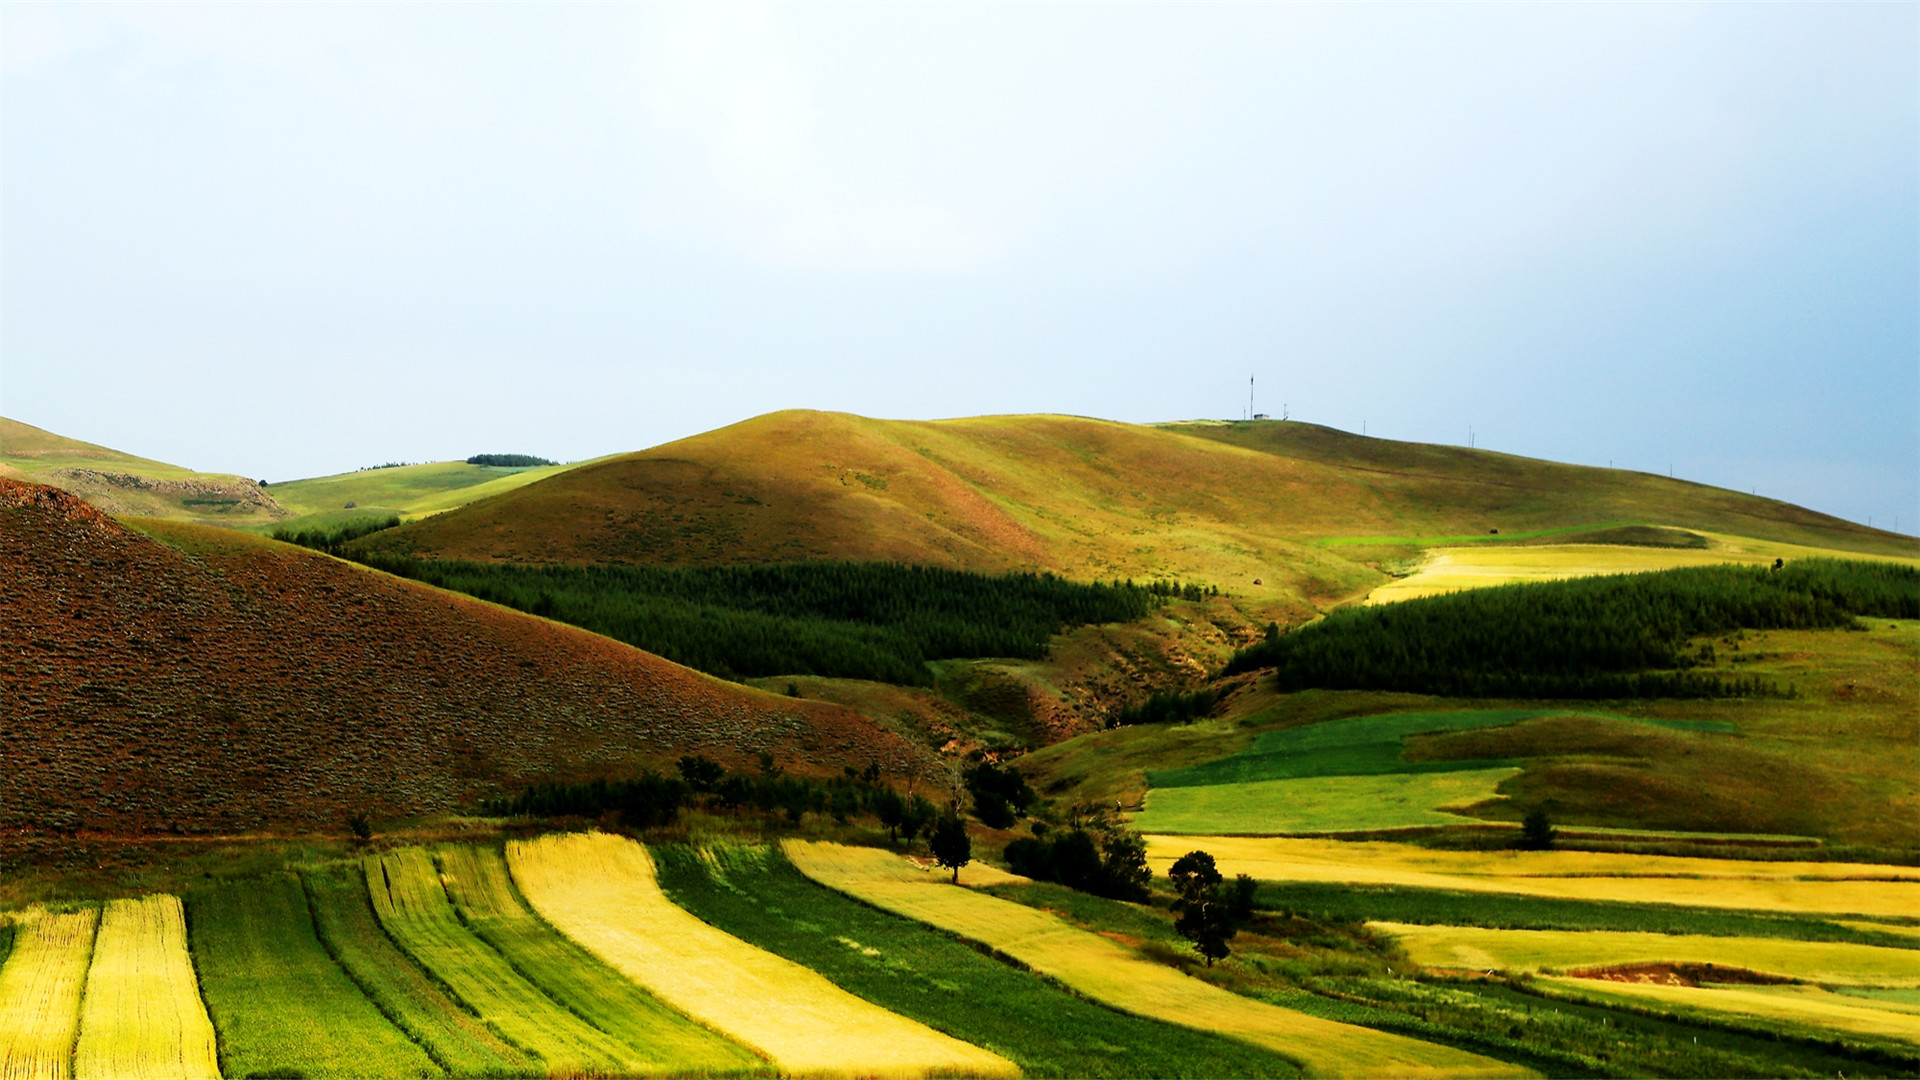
[
  {"x": 200, "y": 680},
  {"x": 1084, "y": 498}
]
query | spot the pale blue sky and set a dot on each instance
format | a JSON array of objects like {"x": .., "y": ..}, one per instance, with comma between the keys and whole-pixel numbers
[{"x": 290, "y": 240}]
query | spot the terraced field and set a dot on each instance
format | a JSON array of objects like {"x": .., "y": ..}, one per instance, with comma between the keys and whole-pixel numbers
[
  {"x": 143, "y": 1018},
  {"x": 413, "y": 907},
  {"x": 280, "y": 1004},
  {"x": 457, "y": 1040},
  {"x": 40, "y": 990},
  {"x": 751, "y": 891},
  {"x": 1117, "y": 976},
  {"x": 476, "y": 879},
  {"x": 601, "y": 891}
]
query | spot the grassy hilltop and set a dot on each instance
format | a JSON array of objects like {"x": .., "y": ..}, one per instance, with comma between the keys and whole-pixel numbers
[
  {"x": 121, "y": 483},
  {"x": 1309, "y": 512}
]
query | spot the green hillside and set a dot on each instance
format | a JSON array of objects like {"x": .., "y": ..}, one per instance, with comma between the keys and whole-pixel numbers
[
  {"x": 1269, "y": 511},
  {"x": 410, "y": 491}
]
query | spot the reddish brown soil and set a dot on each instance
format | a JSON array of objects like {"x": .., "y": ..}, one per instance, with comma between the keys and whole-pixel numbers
[
  {"x": 1680, "y": 975},
  {"x": 197, "y": 680}
]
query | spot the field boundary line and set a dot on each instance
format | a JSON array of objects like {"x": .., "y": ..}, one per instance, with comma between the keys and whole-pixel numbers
[{"x": 333, "y": 953}]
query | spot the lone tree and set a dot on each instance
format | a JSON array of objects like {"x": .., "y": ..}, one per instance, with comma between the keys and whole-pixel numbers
[
  {"x": 950, "y": 844},
  {"x": 1206, "y": 912},
  {"x": 1536, "y": 832}
]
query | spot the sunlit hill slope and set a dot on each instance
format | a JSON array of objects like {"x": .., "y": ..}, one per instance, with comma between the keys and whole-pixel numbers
[
  {"x": 1308, "y": 512},
  {"x": 199, "y": 679},
  {"x": 122, "y": 483}
]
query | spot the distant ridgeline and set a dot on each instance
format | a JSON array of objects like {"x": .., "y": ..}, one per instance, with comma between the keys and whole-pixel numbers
[
  {"x": 1620, "y": 636},
  {"x": 509, "y": 461},
  {"x": 877, "y": 621}
]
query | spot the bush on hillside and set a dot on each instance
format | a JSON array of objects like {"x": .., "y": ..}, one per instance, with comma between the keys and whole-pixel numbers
[
  {"x": 1622, "y": 636},
  {"x": 1168, "y": 708}
]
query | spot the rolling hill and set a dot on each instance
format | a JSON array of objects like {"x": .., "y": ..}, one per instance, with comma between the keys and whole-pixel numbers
[
  {"x": 408, "y": 491},
  {"x": 1281, "y": 513},
  {"x": 178, "y": 678},
  {"x": 121, "y": 483}
]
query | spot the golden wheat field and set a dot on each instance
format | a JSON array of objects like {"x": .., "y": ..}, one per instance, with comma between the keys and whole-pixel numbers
[
  {"x": 1118, "y": 977},
  {"x": 1832, "y": 962},
  {"x": 40, "y": 990},
  {"x": 602, "y": 891},
  {"x": 1804, "y": 887},
  {"x": 1806, "y": 1006},
  {"x": 143, "y": 1016}
]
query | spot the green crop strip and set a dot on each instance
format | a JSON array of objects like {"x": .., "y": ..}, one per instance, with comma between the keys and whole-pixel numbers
[
  {"x": 755, "y": 894},
  {"x": 281, "y": 1005},
  {"x": 1387, "y": 903},
  {"x": 456, "y": 1039}
]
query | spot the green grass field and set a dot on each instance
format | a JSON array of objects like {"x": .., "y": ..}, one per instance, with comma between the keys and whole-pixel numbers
[
  {"x": 456, "y": 1039},
  {"x": 1368, "y": 746},
  {"x": 1319, "y": 804},
  {"x": 1330, "y": 902},
  {"x": 280, "y": 1004},
  {"x": 413, "y": 907},
  {"x": 753, "y": 893},
  {"x": 408, "y": 490},
  {"x": 476, "y": 879}
]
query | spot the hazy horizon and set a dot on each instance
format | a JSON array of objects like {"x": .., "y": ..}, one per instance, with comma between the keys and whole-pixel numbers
[{"x": 294, "y": 240}]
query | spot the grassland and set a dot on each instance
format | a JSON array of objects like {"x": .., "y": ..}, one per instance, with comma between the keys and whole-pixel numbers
[
  {"x": 1802, "y": 888},
  {"x": 142, "y": 1018},
  {"x": 1320, "y": 804},
  {"x": 1479, "y": 949},
  {"x": 40, "y": 991},
  {"x": 457, "y": 1040},
  {"x": 1116, "y": 976},
  {"x": 280, "y": 1004},
  {"x": 601, "y": 891},
  {"x": 1083, "y": 498},
  {"x": 413, "y": 907},
  {"x": 666, "y": 1042},
  {"x": 755, "y": 894},
  {"x": 411, "y": 491}
]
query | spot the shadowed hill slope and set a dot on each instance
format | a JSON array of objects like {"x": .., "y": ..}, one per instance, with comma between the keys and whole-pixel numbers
[
  {"x": 203, "y": 680},
  {"x": 1084, "y": 498},
  {"x": 121, "y": 483}
]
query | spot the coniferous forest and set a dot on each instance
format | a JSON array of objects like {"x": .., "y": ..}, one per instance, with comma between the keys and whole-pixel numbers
[
  {"x": 876, "y": 621},
  {"x": 1618, "y": 636}
]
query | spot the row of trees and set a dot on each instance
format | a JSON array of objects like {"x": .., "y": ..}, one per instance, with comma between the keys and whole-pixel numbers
[
  {"x": 877, "y": 621},
  {"x": 508, "y": 461},
  {"x": 1602, "y": 637}
]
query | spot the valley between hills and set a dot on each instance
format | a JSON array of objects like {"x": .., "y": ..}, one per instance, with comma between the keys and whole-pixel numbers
[{"x": 1034, "y": 745}]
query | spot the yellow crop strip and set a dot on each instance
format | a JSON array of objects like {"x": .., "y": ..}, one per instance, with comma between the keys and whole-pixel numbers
[
  {"x": 1803, "y": 1005},
  {"x": 1833, "y": 962},
  {"x": 143, "y": 1016},
  {"x": 1803, "y": 887},
  {"x": 601, "y": 891},
  {"x": 40, "y": 989},
  {"x": 1116, "y": 976}
]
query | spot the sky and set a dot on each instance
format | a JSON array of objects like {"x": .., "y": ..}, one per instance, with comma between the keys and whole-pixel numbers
[{"x": 288, "y": 240}]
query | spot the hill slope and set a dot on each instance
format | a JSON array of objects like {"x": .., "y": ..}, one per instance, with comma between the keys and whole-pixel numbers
[
  {"x": 121, "y": 483},
  {"x": 1084, "y": 498},
  {"x": 409, "y": 491},
  {"x": 196, "y": 679}
]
